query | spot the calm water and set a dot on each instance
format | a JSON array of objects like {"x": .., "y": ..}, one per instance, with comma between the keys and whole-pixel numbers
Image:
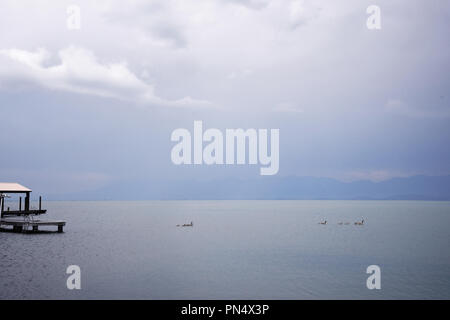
[{"x": 236, "y": 250}]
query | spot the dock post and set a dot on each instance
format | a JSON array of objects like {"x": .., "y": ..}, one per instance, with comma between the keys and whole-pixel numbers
[
  {"x": 2, "y": 207},
  {"x": 35, "y": 228},
  {"x": 60, "y": 228},
  {"x": 20, "y": 203},
  {"x": 40, "y": 202},
  {"x": 27, "y": 201}
]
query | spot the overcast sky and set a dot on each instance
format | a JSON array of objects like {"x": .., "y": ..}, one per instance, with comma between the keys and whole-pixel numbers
[{"x": 83, "y": 108}]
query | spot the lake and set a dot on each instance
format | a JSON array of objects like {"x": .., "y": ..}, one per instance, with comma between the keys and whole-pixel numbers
[{"x": 235, "y": 250}]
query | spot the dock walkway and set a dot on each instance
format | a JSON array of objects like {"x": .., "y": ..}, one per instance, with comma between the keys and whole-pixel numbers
[{"x": 25, "y": 225}]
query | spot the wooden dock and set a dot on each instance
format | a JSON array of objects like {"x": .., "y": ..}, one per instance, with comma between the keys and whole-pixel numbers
[
  {"x": 25, "y": 221},
  {"x": 30, "y": 225}
]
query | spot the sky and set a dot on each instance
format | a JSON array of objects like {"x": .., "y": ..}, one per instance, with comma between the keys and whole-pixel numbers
[{"x": 84, "y": 108}]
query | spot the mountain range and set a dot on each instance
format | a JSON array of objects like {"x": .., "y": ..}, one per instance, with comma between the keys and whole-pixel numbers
[{"x": 271, "y": 188}]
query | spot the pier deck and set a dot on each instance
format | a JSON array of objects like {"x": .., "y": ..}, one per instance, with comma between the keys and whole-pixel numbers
[
  {"x": 30, "y": 225},
  {"x": 23, "y": 212}
]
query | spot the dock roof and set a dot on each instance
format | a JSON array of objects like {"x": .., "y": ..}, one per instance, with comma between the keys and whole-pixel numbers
[{"x": 12, "y": 187}]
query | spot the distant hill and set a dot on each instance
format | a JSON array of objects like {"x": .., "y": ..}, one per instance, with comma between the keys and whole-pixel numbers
[{"x": 272, "y": 188}]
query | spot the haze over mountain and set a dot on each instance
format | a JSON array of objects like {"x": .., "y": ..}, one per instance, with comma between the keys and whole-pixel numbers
[{"x": 272, "y": 188}]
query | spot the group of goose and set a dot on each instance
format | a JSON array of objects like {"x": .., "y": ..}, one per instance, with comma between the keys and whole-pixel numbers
[{"x": 357, "y": 223}]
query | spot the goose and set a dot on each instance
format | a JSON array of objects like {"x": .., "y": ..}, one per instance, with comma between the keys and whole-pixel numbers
[
  {"x": 188, "y": 224},
  {"x": 357, "y": 223},
  {"x": 324, "y": 222}
]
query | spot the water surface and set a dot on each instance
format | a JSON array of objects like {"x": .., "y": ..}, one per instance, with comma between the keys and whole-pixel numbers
[{"x": 236, "y": 250}]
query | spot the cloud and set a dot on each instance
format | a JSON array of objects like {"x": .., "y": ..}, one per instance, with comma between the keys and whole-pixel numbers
[
  {"x": 54, "y": 181},
  {"x": 374, "y": 175},
  {"x": 287, "y": 107},
  {"x": 303, "y": 54},
  {"x": 79, "y": 71},
  {"x": 400, "y": 107},
  {"x": 239, "y": 74},
  {"x": 252, "y": 4},
  {"x": 158, "y": 22},
  {"x": 300, "y": 12}
]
